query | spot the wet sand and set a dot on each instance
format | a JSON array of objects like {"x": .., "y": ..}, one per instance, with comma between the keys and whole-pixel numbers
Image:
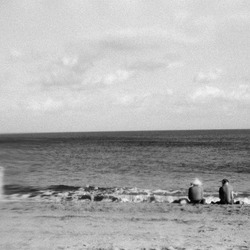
[{"x": 104, "y": 225}]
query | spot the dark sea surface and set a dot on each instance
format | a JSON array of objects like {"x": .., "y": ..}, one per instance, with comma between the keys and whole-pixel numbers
[{"x": 166, "y": 160}]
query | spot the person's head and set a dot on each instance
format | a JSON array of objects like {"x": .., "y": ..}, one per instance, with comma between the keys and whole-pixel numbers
[
  {"x": 224, "y": 181},
  {"x": 196, "y": 182}
]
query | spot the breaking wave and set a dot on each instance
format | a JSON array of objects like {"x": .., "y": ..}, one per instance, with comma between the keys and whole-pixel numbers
[{"x": 61, "y": 193}]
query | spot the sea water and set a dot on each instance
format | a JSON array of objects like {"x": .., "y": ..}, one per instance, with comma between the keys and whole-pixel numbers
[{"x": 133, "y": 166}]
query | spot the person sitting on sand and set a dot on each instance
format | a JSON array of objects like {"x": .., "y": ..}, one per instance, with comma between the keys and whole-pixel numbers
[
  {"x": 195, "y": 192},
  {"x": 226, "y": 193}
]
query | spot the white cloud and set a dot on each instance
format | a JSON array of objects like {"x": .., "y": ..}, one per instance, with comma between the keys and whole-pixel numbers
[
  {"x": 78, "y": 66},
  {"x": 207, "y": 92},
  {"x": 147, "y": 66},
  {"x": 95, "y": 79},
  {"x": 132, "y": 99},
  {"x": 209, "y": 76},
  {"x": 177, "y": 64},
  {"x": 155, "y": 64},
  {"x": 69, "y": 61},
  {"x": 47, "y": 105},
  {"x": 117, "y": 76},
  {"x": 239, "y": 94}
]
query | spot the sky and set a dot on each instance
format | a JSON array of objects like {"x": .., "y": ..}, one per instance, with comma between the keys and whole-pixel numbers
[{"x": 124, "y": 65}]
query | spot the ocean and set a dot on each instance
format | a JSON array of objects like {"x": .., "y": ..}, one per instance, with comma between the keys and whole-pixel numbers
[{"x": 133, "y": 166}]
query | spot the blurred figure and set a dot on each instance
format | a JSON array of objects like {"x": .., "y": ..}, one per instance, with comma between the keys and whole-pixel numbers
[
  {"x": 195, "y": 192},
  {"x": 1, "y": 182},
  {"x": 226, "y": 193}
]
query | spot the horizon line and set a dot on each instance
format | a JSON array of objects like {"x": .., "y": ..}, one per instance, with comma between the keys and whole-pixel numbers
[{"x": 121, "y": 131}]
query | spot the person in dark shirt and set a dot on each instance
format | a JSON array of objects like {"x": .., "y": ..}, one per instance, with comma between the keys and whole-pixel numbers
[
  {"x": 195, "y": 192},
  {"x": 226, "y": 193}
]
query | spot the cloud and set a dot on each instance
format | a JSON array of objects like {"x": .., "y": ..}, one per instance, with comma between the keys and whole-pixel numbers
[
  {"x": 102, "y": 79},
  {"x": 59, "y": 77},
  {"x": 132, "y": 99},
  {"x": 145, "y": 100},
  {"x": 117, "y": 76},
  {"x": 118, "y": 43},
  {"x": 66, "y": 71},
  {"x": 131, "y": 40},
  {"x": 169, "y": 61},
  {"x": 103, "y": 60},
  {"x": 209, "y": 76},
  {"x": 148, "y": 65},
  {"x": 241, "y": 94},
  {"x": 71, "y": 62},
  {"x": 154, "y": 65},
  {"x": 47, "y": 105},
  {"x": 81, "y": 67},
  {"x": 91, "y": 66},
  {"x": 207, "y": 94},
  {"x": 136, "y": 40}
]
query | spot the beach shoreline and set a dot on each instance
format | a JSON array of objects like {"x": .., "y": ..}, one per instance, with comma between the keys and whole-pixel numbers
[{"x": 114, "y": 225}]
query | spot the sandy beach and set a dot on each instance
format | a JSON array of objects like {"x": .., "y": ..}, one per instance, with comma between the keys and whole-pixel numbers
[{"x": 103, "y": 225}]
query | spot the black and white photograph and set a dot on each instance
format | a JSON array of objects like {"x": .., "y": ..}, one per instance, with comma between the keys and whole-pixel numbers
[{"x": 124, "y": 124}]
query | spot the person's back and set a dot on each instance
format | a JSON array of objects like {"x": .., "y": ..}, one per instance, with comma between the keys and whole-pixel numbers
[
  {"x": 226, "y": 193},
  {"x": 195, "y": 192}
]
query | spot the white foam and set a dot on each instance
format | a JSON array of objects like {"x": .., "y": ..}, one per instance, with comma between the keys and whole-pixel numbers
[
  {"x": 133, "y": 195},
  {"x": 243, "y": 200},
  {"x": 211, "y": 199}
]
